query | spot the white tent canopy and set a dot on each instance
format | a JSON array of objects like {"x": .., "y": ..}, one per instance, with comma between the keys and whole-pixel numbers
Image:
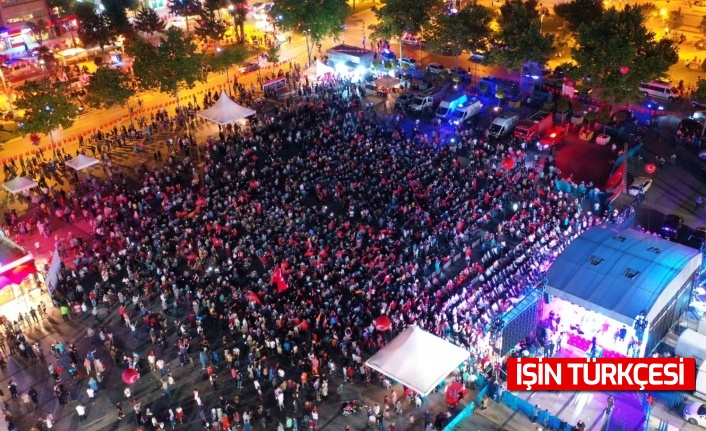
[
  {"x": 418, "y": 359},
  {"x": 19, "y": 185},
  {"x": 225, "y": 111},
  {"x": 81, "y": 162},
  {"x": 387, "y": 82},
  {"x": 319, "y": 69}
]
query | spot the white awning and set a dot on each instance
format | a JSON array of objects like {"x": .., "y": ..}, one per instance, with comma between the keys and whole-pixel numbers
[
  {"x": 225, "y": 111},
  {"x": 418, "y": 359},
  {"x": 81, "y": 162},
  {"x": 19, "y": 185}
]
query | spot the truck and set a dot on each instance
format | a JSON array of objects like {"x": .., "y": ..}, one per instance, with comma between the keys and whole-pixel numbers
[
  {"x": 466, "y": 111},
  {"x": 700, "y": 391},
  {"x": 427, "y": 99},
  {"x": 503, "y": 124},
  {"x": 691, "y": 344},
  {"x": 450, "y": 104},
  {"x": 534, "y": 126}
]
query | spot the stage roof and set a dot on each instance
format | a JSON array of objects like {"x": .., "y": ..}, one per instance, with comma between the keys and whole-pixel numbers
[{"x": 619, "y": 272}]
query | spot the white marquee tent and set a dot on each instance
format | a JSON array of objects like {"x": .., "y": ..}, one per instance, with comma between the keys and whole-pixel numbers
[
  {"x": 81, "y": 162},
  {"x": 319, "y": 69},
  {"x": 19, "y": 184},
  {"x": 418, "y": 359},
  {"x": 225, "y": 111}
]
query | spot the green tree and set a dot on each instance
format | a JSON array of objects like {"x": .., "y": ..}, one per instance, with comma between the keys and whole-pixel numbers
[
  {"x": 210, "y": 27},
  {"x": 700, "y": 93},
  {"x": 39, "y": 28},
  {"x": 469, "y": 29},
  {"x": 273, "y": 54},
  {"x": 147, "y": 21},
  {"x": 226, "y": 57},
  {"x": 94, "y": 29},
  {"x": 620, "y": 38},
  {"x": 46, "y": 107},
  {"x": 520, "y": 30},
  {"x": 176, "y": 64},
  {"x": 116, "y": 11},
  {"x": 47, "y": 59},
  {"x": 108, "y": 88},
  {"x": 399, "y": 16},
  {"x": 674, "y": 19},
  {"x": 239, "y": 12},
  {"x": 577, "y": 12},
  {"x": 500, "y": 93},
  {"x": 315, "y": 19},
  {"x": 185, "y": 9}
]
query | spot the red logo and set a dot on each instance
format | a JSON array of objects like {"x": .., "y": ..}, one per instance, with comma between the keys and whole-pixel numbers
[{"x": 601, "y": 374}]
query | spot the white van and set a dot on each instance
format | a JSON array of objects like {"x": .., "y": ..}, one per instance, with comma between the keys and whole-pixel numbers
[
  {"x": 662, "y": 89},
  {"x": 15, "y": 69}
]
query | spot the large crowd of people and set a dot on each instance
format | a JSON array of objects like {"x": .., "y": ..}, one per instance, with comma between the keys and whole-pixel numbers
[{"x": 286, "y": 238}]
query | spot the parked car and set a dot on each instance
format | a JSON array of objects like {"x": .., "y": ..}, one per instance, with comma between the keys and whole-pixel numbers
[
  {"x": 435, "y": 68},
  {"x": 696, "y": 103},
  {"x": 552, "y": 138},
  {"x": 695, "y": 414},
  {"x": 639, "y": 185},
  {"x": 461, "y": 73},
  {"x": 670, "y": 227},
  {"x": 248, "y": 67},
  {"x": 697, "y": 238},
  {"x": 410, "y": 63},
  {"x": 403, "y": 100},
  {"x": 387, "y": 55},
  {"x": 412, "y": 40},
  {"x": 449, "y": 51},
  {"x": 479, "y": 56}
]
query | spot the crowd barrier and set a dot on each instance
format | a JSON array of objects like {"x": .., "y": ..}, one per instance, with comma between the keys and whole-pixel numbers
[{"x": 544, "y": 418}]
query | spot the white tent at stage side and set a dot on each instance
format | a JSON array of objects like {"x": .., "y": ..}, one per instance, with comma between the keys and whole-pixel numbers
[
  {"x": 225, "y": 111},
  {"x": 81, "y": 162},
  {"x": 20, "y": 184},
  {"x": 319, "y": 69},
  {"x": 418, "y": 359}
]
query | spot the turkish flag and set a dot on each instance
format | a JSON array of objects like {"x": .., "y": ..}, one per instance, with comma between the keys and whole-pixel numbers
[
  {"x": 279, "y": 280},
  {"x": 616, "y": 179}
]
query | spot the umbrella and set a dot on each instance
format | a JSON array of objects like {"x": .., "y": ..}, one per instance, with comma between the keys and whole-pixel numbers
[
  {"x": 508, "y": 163},
  {"x": 383, "y": 323},
  {"x": 130, "y": 376}
]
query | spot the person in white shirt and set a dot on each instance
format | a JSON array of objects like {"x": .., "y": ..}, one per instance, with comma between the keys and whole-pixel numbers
[{"x": 81, "y": 411}]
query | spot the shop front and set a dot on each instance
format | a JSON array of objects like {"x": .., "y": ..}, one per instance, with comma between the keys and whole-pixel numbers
[{"x": 19, "y": 285}]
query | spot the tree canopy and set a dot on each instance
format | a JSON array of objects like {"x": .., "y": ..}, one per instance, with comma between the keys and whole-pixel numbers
[
  {"x": 398, "y": 16},
  {"x": 46, "y": 107},
  {"x": 173, "y": 65},
  {"x": 620, "y": 38},
  {"x": 116, "y": 11},
  {"x": 185, "y": 9},
  {"x": 210, "y": 27},
  {"x": 95, "y": 29},
  {"x": 315, "y": 19},
  {"x": 239, "y": 12},
  {"x": 108, "y": 88},
  {"x": 148, "y": 21},
  {"x": 469, "y": 29},
  {"x": 521, "y": 32},
  {"x": 226, "y": 57},
  {"x": 577, "y": 12}
]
